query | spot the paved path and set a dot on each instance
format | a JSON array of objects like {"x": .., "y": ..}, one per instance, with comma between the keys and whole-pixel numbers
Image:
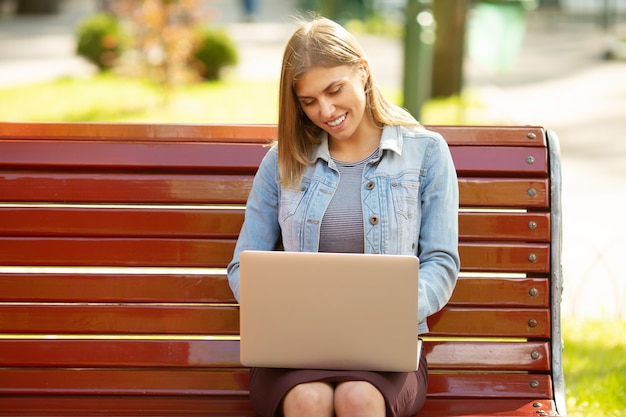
[
  {"x": 558, "y": 80},
  {"x": 561, "y": 82}
]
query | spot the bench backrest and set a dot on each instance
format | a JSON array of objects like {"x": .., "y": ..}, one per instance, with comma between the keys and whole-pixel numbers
[{"x": 114, "y": 239}]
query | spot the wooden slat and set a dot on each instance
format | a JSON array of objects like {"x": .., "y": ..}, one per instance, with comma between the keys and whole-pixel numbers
[
  {"x": 521, "y": 227},
  {"x": 207, "y": 320},
  {"x": 493, "y": 135},
  {"x": 241, "y": 407},
  {"x": 89, "y": 353},
  {"x": 200, "y": 253},
  {"x": 214, "y": 288},
  {"x": 208, "y": 189},
  {"x": 123, "y": 382},
  {"x": 119, "y": 319},
  {"x": 123, "y": 221},
  {"x": 211, "y": 253},
  {"x": 504, "y": 192},
  {"x": 498, "y": 385},
  {"x": 504, "y": 161},
  {"x": 228, "y": 157},
  {"x": 124, "y": 188},
  {"x": 489, "y": 356},
  {"x": 192, "y": 383},
  {"x": 143, "y": 131},
  {"x": 494, "y": 407},
  {"x": 225, "y": 222},
  {"x": 116, "y": 288},
  {"x": 497, "y": 322},
  {"x": 144, "y": 405},
  {"x": 116, "y": 353},
  {"x": 505, "y": 257},
  {"x": 103, "y": 156},
  {"x": 503, "y": 292},
  {"x": 479, "y": 135},
  {"x": 212, "y": 222}
]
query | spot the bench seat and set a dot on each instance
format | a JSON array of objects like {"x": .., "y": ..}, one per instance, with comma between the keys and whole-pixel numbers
[{"x": 114, "y": 299}]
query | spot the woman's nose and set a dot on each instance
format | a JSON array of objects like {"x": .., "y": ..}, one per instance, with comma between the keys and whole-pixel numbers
[{"x": 327, "y": 108}]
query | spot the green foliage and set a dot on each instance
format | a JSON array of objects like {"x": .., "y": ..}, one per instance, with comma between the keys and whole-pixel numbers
[
  {"x": 376, "y": 24},
  {"x": 594, "y": 361},
  {"x": 100, "y": 40},
  {"x": 214, "y": 51}
]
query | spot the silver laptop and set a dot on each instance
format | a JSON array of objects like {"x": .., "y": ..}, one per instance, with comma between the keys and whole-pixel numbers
[{"x": 329, "y": 311}]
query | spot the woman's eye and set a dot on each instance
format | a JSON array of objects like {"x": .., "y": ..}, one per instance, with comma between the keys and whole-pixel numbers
[{"x": 336, "y": 91}]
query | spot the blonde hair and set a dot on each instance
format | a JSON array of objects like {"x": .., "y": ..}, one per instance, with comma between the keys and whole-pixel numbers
[{"x": 320, "y": 42}]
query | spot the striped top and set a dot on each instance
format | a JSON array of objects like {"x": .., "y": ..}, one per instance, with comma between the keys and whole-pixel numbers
[{"x": 342, "y": 224}]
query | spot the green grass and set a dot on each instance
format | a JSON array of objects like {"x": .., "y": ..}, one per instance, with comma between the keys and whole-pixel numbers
[
  {"x": 594, "y": 362},
  {"x": 107, "y": 98}
]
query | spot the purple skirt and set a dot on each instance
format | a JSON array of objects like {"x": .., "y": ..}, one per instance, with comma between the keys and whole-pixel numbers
[{"x": 404, "y": 392}]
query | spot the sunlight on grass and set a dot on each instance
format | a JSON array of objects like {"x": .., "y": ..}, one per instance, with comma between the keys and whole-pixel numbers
[
  {"x": 594, "y": 361},
  {"x": 106, "y": 98},
  {"x": 100, "y": 98}
]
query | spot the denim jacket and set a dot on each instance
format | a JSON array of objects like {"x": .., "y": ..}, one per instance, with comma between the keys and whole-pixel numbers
[{"x": 410, "y": 207}]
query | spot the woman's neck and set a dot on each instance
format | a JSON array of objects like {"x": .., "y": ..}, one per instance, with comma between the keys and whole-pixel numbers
[{"x": 357, "y": 147}]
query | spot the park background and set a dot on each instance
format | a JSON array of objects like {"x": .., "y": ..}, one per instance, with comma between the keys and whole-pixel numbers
[{"x": 558, "y": 64}]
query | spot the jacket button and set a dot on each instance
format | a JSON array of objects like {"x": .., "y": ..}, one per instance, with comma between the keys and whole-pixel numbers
[
  {"x": 374, "y": 220},
  {"x": 370, "y": 185}
]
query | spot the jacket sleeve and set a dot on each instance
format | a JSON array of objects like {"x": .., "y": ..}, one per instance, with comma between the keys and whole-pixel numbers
[
  {"x": 438, "y": 240},
  {"x": 260, "y": 229}
]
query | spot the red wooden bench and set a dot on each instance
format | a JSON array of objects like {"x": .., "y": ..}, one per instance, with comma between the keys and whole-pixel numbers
[{"x": 113, "y": 295}]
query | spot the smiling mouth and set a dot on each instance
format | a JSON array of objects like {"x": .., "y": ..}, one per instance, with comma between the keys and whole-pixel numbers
[{"x": 337, "y": 121}]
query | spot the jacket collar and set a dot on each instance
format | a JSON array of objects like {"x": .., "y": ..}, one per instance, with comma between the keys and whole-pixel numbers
[{"x": 391, "y": 139}]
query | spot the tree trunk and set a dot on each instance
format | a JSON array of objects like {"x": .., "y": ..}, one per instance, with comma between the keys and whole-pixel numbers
[
  {"x": 450, "y": 16},
  {"x": 37, "y": 6}
]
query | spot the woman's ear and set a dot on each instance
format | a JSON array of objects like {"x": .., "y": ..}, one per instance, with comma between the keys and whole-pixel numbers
[{"x": 364, "y": 70}]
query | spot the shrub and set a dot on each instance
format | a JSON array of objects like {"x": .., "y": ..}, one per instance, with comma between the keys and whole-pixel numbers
[
  {"x": 214, "y": 50},
  {"x": 100, "y": 40}
]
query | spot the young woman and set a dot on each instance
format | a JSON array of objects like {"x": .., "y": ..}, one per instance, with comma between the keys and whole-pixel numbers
[{"x": 350, "y": 172}]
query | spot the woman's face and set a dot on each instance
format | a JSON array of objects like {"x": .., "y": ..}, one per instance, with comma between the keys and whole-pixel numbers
[{"x": 334, "y": 99}]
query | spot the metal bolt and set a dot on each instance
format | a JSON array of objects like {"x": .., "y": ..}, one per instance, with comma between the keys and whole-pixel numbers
[
  {"x": 532, "y": 192},
  {"x": 532, "y": 225},
  {"x": 534, "y": 383},
  {"x": 535, "y": 355},
  {"x": 532, "y": 258},
  {"x": 531, "y": 135},
  {"x": 530, "y": 159},
  {"x": 532, "y": 323},
  {"x": 533, "y": 292},
  {"x": 537, "y": 404}
]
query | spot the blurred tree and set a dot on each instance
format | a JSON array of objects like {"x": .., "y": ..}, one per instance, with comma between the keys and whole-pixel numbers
[
  {"x": 341, "y": 10},
  {"x": 550, "y": 3},
  {"x": 101, "y": 40},
  {"x": 450, "y": 16},
  {"x": 166, "y": 41},
  {"x": 37, "y": 6},
  {"x": 162, "y": 38},
  {"x": 419, "y": 40}
]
